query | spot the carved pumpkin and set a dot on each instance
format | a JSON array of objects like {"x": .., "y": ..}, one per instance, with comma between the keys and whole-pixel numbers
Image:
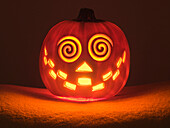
[{"x": 85, "y": 59}]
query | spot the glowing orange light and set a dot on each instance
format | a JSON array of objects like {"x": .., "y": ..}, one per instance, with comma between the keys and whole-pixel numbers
[
  {"x": 98, "y": 87},
  {"x": 104, "y": 44},
  {"x": 100, "y": 47},
  {"x": 69, "y": 85},
  {"x": 67, "y": 47},
  {"x": 124, "y": 56},
  {"x": 107, "y": 76},
  {"x": 52, "y": 74},
  {"x": 45, "y": 51},
  {"x": 64, "y": 47},
  {"x": 83, "y": 81},
  {"x": 51, "y": 63},
  {"x": 45, "y": 60},
  {"x": 116, "y": 74},
  {"x": 79, "y": 99},
  {"x": 84, "y": 68},
  {"x": 61, "y": 74},
  {"x": 119, "y": 62}
]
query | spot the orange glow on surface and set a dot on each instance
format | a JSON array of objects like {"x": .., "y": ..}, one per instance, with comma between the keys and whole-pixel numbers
[
  {"x": 79, "y": 99},
  {"x": 98, "y": 87},
  {"x": 45, "y": 60},
  {"x": 61, "y": 74},
  {"x": 69, "y": 85},
  {"x": 45, "y": 51},
  {"x": 116, "y": 74},
  {"x": 107, "y": 76},
  {"x": 74, "y": 52},
  {"x": 84, "y": 81},
  {"x": 99, "y": 44},
  {"x": 135, "y": 105},
  {"x": 119, "y": 62},
  {"x": 84, "y": 68},
  {"x": 51, "y": 63},
  {"x": 124, "y": 56},
  {"x": 52, "y": 74}
]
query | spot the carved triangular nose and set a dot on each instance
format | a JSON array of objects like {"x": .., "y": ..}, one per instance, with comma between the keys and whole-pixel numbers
[{"x": 84, "y": 68}]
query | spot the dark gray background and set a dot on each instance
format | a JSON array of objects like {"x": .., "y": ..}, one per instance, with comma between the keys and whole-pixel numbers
[{"x": 24, "y": 25}]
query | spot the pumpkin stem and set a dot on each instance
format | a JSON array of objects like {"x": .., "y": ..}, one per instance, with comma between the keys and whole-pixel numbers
[{"x": 87, "y": 15}]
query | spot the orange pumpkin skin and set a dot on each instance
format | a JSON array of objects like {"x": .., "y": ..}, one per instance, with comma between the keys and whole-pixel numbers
[{"x": 100, "y": 45}]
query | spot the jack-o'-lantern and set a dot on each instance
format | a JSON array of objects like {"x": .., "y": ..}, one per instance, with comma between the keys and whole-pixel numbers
[{"x": 85, "y": 59}]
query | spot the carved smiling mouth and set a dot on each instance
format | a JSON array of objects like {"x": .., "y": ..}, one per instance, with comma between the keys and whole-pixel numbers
[{"x": 83, "y": 81}]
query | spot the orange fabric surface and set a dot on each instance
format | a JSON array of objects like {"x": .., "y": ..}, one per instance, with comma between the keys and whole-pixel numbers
[{"x": 135, "y": 106}]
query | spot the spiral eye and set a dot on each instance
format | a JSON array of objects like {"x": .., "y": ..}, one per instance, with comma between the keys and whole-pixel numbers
[
  {"x": 69, "y": 48},
  {"x": 99, "y": 47}
]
